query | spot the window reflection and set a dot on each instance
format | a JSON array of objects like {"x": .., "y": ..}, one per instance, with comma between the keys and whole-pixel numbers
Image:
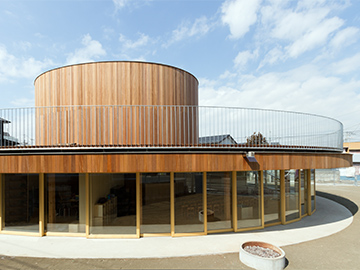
[
  {"x": 312, "y": 180},
  {"x": 272, "y": 197},
  {"x": 65, "y": 202},
  {"x": 21, "y": 194},
  {"x": 304, "y": 190},
  {"x": 113, "y": 203},
  {"x": 218, "y": 186},
  {"x": 248, "y": 199},
  {"x": 292, "y": 194},
  {"x": 188, "y": 202},
  {"x": 155, "y": 203}
]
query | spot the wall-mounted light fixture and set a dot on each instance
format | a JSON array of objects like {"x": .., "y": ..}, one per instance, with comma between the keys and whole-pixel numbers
[{"x": 250, "y": 156}]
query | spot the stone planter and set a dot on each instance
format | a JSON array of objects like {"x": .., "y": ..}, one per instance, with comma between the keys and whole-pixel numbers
[{"x": 259, "y": 262}]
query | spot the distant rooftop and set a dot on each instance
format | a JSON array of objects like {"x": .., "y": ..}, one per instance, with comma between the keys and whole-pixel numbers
[{"x": 218, "y": 139}]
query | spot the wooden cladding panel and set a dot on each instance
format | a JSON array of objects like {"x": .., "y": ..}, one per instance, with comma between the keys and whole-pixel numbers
[
  {"x": 115, "y": 83},
  {"x": 130, "y": 163}
]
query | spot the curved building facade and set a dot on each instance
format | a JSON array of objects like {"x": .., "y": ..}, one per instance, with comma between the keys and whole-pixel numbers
[{"x": 122, "y": 150}]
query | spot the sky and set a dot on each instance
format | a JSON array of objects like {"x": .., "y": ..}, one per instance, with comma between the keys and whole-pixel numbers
[{"x": 272, "y": 54}]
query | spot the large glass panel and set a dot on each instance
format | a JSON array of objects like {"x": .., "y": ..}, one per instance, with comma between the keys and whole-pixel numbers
[
  {"x": 304, "y": 191},
  {"x": 218, "y": 185},
  {"x": 155, "y": 189},
  {"x": 248, "y": 199},
  {"x": 21, "y": 192},
  {"x": 65, "y": 203},
  {"x": 312, "y": 177},
  {"x": 188, "y": 202},
  {"x": 292, "y": 194},
  {"x": 113, "y": 203},
  {"x": 272, "y": 197}
]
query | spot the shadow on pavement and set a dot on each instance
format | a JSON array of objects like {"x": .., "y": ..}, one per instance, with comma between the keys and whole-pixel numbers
[{"x": 352, "y": 207}]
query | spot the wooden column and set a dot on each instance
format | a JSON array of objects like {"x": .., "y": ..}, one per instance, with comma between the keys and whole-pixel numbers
[
  {"x": 138, "y": 204},
  {"x": 87, "y": 207},
  {"x": 172, "y": 203},
  {"x": 41, "y": 204}
]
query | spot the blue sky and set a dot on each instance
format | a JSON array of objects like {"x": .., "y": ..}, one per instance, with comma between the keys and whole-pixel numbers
[{"x": 276, "y": 54}]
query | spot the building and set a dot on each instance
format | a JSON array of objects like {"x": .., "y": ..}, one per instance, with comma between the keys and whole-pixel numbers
[
  {"x": 354, "y": 171},
  {"x": 5, "y": 138},
  {"x": 115, "y": 149}
]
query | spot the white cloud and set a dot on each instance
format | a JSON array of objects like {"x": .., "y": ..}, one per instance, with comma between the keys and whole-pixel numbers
[
  {"x": 200, "y": 27},
  {"x": 345, "y": 37},
  {"x": 227, "y": 75},
  {"x": 288, "y": 30},
  {"x": 92, "y": 50},
  {"x": 13, "y": 67},
  {"x": 23, "y": 102},
  {"x": 290, "y": 25},
  {"x": 119, "y": 4},
  {"x": 272, "y": 57},
  {"x": 347, "y": 65},
  {"x": 243, "y": 58},
  {"x": 314, "y": 38},
  {"x": 239, "y": 15},
  {"x": 308, "y": 4},
  {"x": 143, "y": 40},
  {"x": 305, "y": 89}
]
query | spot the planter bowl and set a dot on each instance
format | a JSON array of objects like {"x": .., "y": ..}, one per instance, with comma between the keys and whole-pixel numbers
[{"x": 258, "y": 262}]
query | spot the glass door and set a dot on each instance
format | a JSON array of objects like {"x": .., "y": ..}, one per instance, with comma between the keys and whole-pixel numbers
[{"x": 155, "y": 203}]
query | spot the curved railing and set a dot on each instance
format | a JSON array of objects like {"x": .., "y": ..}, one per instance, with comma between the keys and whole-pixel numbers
[{"x": 167, "y": 126}]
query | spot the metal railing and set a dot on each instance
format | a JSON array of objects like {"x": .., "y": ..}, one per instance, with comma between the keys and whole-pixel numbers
[{"x": 167, "y": 126}]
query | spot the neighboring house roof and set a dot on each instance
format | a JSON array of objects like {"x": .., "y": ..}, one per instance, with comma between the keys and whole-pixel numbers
[
  {"x": 2, "y": 120},
  {"x": 217, "y": 139},
  {"x": 351, "y": 146}
]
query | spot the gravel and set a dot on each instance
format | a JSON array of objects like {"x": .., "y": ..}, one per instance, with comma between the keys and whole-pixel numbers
[{"x": 262, "y": 252}]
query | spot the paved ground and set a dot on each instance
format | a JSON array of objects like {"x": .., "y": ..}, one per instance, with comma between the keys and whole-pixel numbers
[{"x": 337, "y": 251}]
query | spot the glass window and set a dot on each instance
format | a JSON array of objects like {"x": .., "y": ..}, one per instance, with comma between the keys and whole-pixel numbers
[
  {"x": 113, "y": 203},
  {"x": 304, "y": 191},
  {"x": 65, "y": 203},
  {"x": 155, "y": 203},
  {"x": 248, "y": 199},
  {"x": 313, "y": 192},
  {"x": 21, "y": 192},
  {"x": 188, "y": 202},
  {"x": 272, "y": 197},
  {"x": 218, "y": 186},
  {"x": 292, "y": 194}
]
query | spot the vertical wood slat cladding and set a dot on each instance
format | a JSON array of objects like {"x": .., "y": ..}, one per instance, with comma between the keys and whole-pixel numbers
[
  {"x": 130, "y": 163},
  {"x": 116, "y": 83}
]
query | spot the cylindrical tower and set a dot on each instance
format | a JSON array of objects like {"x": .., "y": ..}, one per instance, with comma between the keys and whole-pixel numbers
[{"x": 116, "y": 103}]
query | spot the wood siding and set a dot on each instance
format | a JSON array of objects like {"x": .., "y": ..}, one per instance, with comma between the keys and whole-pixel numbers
[
  {"x": 111, "y": 84},
  {"x": 131, "y": 163}
]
